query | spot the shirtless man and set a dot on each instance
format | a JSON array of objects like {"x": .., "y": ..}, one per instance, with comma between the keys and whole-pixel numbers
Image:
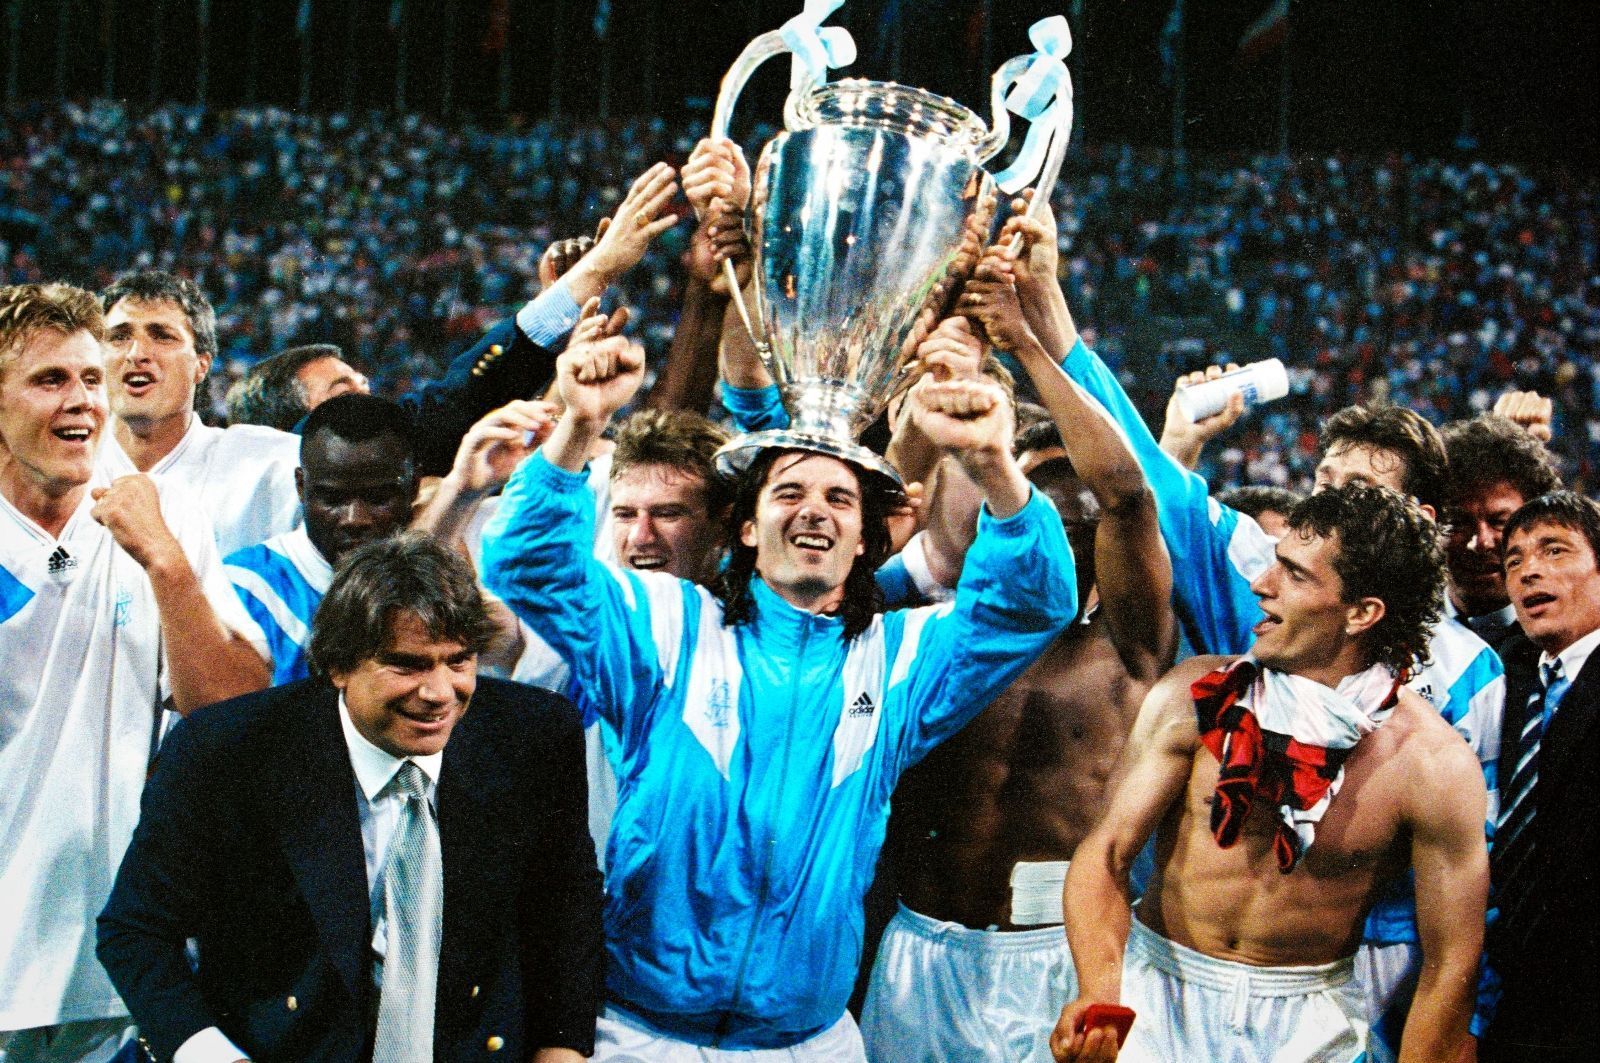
[
  {"x": 973, "y": 967},
  {"x": 1244, "y": 943}
]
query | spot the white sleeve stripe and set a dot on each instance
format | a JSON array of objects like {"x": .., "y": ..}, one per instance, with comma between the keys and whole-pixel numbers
[
  {"x": 916, "y": 620},
  {"x": 263, "y": 592},
  {"x": 1250, "y": 550},
  {"x": 665, "y": 595}
]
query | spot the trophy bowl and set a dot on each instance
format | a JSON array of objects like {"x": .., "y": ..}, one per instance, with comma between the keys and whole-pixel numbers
[{"x": 868, "y": 213}]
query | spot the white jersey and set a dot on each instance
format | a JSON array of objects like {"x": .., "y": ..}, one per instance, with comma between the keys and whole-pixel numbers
[
  {"x": 243, "y": 475},
  {"x": 82, "y": 681}
]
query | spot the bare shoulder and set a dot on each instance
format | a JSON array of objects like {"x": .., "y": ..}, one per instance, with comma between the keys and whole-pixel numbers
[
  {"x": 1168, "y": 710},
  {"x": 1442, "y": 768}
]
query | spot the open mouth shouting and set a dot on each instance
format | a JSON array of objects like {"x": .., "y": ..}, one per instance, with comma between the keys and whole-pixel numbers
[
  {"x": 1537, "y": 603},
  {"x": 1267, "y": 622},
  {"x": 73, "y": 433},
  {"x": 648, "y": 562},
  {"x": 138, "y": 383}
]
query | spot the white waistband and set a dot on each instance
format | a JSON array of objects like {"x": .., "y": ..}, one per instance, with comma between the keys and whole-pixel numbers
[
  {"x": 1036, "y": 892},
  {"x": 956, "y": 936},
  {"x": 1196, "y": 968}
]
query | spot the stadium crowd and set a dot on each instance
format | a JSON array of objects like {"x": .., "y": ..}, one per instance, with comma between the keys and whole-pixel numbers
[
  {"x": 1303, "y": 769},
  {"x": 1434, "y": 284}
]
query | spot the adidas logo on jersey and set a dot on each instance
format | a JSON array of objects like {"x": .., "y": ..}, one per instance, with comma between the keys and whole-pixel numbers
[
  {"x": 61, "y": 561},
  {"x": 863, "y": 705}
]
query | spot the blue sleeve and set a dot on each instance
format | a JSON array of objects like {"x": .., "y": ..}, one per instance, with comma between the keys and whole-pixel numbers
[
  {"x": 895, "y": 583},
  {"x": 1216, "y": 551},
  {"x": 755, "y": 409},
  {"x": 550, "y": 316},
  {"x": 1018, "y": 591},
  {"x": 619, "y": 631}
]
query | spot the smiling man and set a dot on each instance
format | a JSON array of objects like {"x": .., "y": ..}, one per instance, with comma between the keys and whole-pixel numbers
[
  {"x": 388, "y": 861},
  {"x": 763, "y": 724},
  {"x": 112, "y": 606},
  {"x": 1284, "y": 789}
]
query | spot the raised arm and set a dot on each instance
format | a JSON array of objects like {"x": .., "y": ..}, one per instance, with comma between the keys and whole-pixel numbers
[
  {"x": 1186, "y": 440},
  {"x": 1018, "y": 588},
  {"x": 689, "y": 374},
  {"x": 616, "y": 630},
  {"x": 1132, "y": 570},
  {"x": 1451, "y": 864},
  {"x": 207, "y": 660},
  {"x": 1148, "y": 780}
]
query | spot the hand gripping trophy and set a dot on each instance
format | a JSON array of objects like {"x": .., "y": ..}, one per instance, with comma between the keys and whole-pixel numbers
[{"x": 869, "y": 211}]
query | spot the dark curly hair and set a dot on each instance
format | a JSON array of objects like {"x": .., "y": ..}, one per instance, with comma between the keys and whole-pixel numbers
[
  {"x": 862, "y": 598},
  {"x": 1387, "y": 549},
  {"x": 1403, "y": 433},
  {"x": 1487, "y": 450}
]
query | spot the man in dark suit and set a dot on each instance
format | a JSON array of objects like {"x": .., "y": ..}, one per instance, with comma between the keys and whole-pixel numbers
[
  {"x": 1545, "y": 943},
  {"x": 372, "y": 867}
]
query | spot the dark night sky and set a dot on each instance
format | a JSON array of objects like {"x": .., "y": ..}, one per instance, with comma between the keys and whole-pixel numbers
[{"x": 1367, "y": 75}]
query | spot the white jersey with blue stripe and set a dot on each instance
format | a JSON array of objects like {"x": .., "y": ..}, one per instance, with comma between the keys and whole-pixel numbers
[
  {"x": 756, "y": 760},
  {"x": 281, "y": 582}
]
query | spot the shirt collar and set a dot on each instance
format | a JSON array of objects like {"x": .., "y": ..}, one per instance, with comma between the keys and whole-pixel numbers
[
  {"x": 304, "y": 555},
  {"x": 1574, "y": 656},
  {"x": 375, "y": 767}
]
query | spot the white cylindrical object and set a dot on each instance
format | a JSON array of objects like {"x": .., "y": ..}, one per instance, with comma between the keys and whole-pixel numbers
[{"x": 1259, "y": 382}]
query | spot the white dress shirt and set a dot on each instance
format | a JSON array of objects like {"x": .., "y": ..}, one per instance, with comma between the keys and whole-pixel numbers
[
  {"x": 379, "y": 810},
  {"x": 1572, "y": 659}
]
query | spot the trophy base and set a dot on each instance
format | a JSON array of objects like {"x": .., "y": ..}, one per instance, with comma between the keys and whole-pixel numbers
[{"x": 737, "y": 454}]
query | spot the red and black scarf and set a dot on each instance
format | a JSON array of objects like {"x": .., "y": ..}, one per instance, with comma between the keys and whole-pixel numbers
[{"x": 1283, "y": 739}]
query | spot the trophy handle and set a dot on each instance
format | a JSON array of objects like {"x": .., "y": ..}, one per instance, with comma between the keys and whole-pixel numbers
[
  {"x": 755, "y": 53},
  {"x": 815, "y": 48},
  {"x": 1037, "y": 87}
]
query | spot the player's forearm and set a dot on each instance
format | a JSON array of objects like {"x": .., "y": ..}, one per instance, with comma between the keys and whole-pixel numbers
[
  {"x": 1005, "y": 489},
  {"x": 208, "y": 662},
  {"x": 1045, "y": 307},
  {"x": 572, "y": 440},
  {"x": 1436, "y": 1027},
  {"x": 1098, "y": 917},
  {"x": 952, "y": 522},
  {"x": 690, "y": 372},
  {"x": 738, "y": 360},
  {"x": 1185, "y": 448},
  {"x": 449, "y": 511},
  {"x": 1099, "y": 452},
  {"x": 912, "y": 453}
]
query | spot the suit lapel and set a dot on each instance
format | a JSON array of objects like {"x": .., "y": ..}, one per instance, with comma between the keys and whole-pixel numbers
[
  {"x": 321, "y": 837},
  {"x": 470, "y": 789}
]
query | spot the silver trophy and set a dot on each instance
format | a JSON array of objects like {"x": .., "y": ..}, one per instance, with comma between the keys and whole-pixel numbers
[{"x": 868, "y": 213}]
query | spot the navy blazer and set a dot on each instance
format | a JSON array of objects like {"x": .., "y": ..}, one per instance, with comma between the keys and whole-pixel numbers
[
  {"x": 1549, "y": 957},
  {"x": 503, "y": 365},
  {"x": 249, "y": 842}
]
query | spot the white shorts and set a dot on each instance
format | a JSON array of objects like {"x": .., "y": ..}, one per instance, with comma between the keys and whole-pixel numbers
[
  {"x": 1386, "y": 976},
  {"x": 619, "y": 1038},
  {"x": 943, "y": 993},
  {"x": 1191, "y": 1006},
  {"x": 88, "y": 1041}
]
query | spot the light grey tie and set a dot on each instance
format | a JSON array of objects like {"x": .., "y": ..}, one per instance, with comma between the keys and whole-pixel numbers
[{"x": 413, "y": 905}]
